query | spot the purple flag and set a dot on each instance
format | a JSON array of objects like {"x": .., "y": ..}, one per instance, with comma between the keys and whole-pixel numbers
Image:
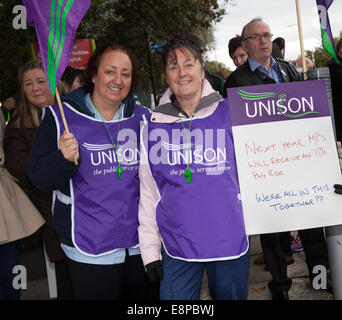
[
  {"x": 56, "y": 22},
  {"x": 327, "y": 38}
]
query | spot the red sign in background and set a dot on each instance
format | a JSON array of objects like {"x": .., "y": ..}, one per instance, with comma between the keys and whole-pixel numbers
[{"x": 81, "y": 52}]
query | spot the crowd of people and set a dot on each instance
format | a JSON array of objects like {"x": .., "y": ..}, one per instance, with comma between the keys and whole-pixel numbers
[{"x": 120, "y": 214}]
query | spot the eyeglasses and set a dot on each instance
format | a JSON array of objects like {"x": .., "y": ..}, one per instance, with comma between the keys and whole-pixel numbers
[{"x": 257, "y": 37}]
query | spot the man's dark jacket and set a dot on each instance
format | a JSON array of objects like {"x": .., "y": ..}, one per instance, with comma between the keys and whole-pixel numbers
[
  {"x": 335, "y": 70},
  {"x": 244, "y": 76}
]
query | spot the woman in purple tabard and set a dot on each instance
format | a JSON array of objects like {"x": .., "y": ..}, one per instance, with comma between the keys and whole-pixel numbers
[
  {"x": 190, "y": 213},
  {"x": 96, "y": 198}
]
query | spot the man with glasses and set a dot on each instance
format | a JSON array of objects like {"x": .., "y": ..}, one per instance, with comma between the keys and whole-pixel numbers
[{"x": 262, "y": 68}]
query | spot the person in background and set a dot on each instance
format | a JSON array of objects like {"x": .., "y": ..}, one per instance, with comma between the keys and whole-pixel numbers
[
  {"x": 278, "y": 48},
  {"x": 238, "y": 55},
  {"x": 72, "y": 78},
  {"x": 93, "y": 171},
  {"x": 20, "y": 131},
  {"x": 313, "y": 242},
  {"x": 7, "y": 107},
  {"x": 335, "y": 70},
  {"x": 18, "y": 219},
  {"x": 236, "y": 52},
  {"x": 262, "y": 68},
  {"x": 278, "y": 52},
  {"x": 193, "y": 218}
]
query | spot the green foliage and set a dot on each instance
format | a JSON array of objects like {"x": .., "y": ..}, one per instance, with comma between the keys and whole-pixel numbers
[
  {"x": 136, "y": 23},
  {"x": 14, "y": 50},
  {"x": 319, "y": 55},
  {"x": 132, "y": 22},
  {"x": 219, "y": 68}
]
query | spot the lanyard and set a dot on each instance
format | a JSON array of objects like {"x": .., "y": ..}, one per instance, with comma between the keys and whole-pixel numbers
[
  {"x": 187, "y": 172},
  {"x": 119, "y": 170}
]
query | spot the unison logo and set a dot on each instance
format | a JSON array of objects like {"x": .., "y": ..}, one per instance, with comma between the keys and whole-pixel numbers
[
  {"x": 206, "y": 147},
  {"x": 101, "y": 154},
  {"x": 126, "y": 151},
  {"x": 276, "y": 104}
]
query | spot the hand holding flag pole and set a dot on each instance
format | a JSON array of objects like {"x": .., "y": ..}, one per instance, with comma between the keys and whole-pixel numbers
[
  {"x": 56, "y": 22},
  {"x": 59, "y": 102}
]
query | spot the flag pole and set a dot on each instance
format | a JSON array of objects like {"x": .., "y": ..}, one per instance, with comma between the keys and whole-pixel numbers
[
  {"x": 300, "y": 31},
  {"x": 63, "y": 117},
  {"x": 61, "y": 110}
]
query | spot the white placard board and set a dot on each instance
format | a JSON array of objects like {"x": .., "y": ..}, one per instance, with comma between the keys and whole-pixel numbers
[{"x": 287, "y": 167}]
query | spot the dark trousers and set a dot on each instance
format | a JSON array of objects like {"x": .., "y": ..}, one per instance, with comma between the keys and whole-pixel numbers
[
  {"x": 285, "y": 243},
  {"x": 275, "y": 258},
  {"x": 9, "y": 258},
  {"x": 125, "y": 281},
  {"x": 64, "y": 289},
  {"x": 315, "y": 248},
  {"x": 182, "y": 280}
]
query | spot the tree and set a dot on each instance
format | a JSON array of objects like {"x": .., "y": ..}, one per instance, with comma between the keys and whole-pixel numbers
[
  {"x": 132, "y": 22},
  {"x": 14, "y": 48},
  {"x": 219, "y": 68},
  {"x": 137, "y": 23},
  {"x": 319, "y": 56}
]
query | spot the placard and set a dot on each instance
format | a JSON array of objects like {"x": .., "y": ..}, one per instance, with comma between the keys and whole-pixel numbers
[
  {"x": 81, "y": 53},
  {"x": 286, "y": 156}
]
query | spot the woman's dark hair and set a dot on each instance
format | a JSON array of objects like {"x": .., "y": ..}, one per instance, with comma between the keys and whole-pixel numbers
[
  {"x": 93, "y": 64},
  {"x": 234, "y": 44},
  {"x": 181, "y": 41},
  {"x": 278, "y": 46},
  {"x": 280, "y": 42},
  {"x": 70, "y": 74}
]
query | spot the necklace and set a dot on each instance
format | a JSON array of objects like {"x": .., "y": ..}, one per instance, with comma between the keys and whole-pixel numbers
[
  {"x": 187, "y": 172},
  {"x": 119, "y": 170}
]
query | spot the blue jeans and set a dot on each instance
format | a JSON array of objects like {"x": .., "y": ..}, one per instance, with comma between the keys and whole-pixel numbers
[
  {"x": 182, "y": 280},
  {"x": 9, "y": 257}
]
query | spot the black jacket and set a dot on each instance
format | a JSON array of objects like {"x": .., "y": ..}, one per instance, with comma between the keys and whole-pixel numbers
[
  {"x": 336, "y": 88},
  {"x": 244, "y": 76}
]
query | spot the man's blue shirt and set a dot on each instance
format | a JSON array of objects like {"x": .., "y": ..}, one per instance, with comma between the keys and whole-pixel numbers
[{"x": 273, "y": 72}]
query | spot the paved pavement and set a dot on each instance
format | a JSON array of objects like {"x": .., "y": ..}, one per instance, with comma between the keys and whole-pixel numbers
[
  {"x": 32, "y": 258},
  {"x": 258, "y": 278}
]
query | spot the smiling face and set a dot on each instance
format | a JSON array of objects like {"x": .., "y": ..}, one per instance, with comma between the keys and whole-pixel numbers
[
  {"x": 36, "y": 88},
  {"x": 258, "y": 49},
  {"x": 184, "y": 74},
  {"x": 113, "y": 79}
]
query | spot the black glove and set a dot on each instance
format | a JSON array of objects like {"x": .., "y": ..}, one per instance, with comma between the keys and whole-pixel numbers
[
  {"x": 154, "y": 271},
  {"x": 338, "y": 188}
]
